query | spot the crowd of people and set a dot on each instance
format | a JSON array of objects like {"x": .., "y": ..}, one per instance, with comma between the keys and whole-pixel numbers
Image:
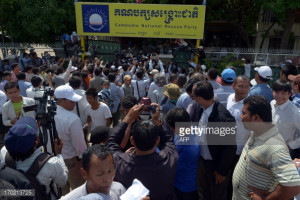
[{"x": 120, "y": 121}]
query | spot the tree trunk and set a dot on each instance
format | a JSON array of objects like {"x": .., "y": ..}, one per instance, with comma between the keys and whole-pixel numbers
[
  {"x": 243, "y": 33},
  {"x": 265, "y": 35},
  {"x": 290, "y": 19}
]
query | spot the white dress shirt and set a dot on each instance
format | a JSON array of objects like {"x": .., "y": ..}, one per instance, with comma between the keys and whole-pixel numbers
[
  {"x": 157, "y": 95},
  {"x": 116, "y": 190},
  {"x": 152, "y": 87},
  {"x": 142, "y": 85},
  {"x": 69, "y": 129},
  {"x": 162, "y": 70},
  {"x": 287, "y": 119},
  {"x": 203, "y": 124},
  {"x": 82, "y": 105},
  {"x": 31, "y": 92},
  {"x": 3, "y": 99},
  {"x": 66, "y": 75},
  {"x": 184, "y": 101},
  {"x": 235, "y": 109}
]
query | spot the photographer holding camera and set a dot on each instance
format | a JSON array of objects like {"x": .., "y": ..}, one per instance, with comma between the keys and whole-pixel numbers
[
  {"x": 156, "y": 170},
  {"x": 155, "y": 63}
]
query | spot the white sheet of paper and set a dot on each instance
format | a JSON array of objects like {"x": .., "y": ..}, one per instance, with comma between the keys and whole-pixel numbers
[{"x": 135, "y": 192}]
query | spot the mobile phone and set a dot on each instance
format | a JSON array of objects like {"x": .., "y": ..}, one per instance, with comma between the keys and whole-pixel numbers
[
  {"x": 149, "y": 108},
  {"x": 145, "y": 101}
]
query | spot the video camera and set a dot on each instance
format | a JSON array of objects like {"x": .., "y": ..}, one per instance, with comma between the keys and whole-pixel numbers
[
  {"x": 45, "y": 112},
  {"x": 42, "y": 97}
]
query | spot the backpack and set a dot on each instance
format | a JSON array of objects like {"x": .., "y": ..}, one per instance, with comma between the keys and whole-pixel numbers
[
  {"x": 17, "y": 179},
  {"x": 32, "y": 172}
]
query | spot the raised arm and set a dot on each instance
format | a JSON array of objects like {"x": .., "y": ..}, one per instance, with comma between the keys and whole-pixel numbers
[{"x": 117, "y": 134}]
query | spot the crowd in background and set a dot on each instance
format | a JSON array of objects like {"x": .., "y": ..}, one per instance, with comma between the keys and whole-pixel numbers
[{"x": 116, "y": 122}]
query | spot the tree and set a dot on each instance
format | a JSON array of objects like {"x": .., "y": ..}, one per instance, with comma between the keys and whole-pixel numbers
[
  {"x": 37, "y": 21},
  {"x": 242, "y": 14},
  {"x": 284, "y": 11}
]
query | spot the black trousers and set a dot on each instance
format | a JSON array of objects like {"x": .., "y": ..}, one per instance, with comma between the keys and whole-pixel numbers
[
  {"x": 185, "y": 195},
  {"x": 208, "y": 189},
  {"x": 3, "y": 130}
]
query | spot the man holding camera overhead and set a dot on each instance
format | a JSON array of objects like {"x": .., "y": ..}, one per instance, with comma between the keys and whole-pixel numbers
[{"x": 156, "y": 170}]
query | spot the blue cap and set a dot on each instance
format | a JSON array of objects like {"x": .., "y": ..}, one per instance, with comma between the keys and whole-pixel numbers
[
  {"x": 21, "y": 136},
  {"x": 228, "y": 75}
]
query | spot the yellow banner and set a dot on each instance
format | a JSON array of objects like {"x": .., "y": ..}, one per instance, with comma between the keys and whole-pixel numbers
[{"x": 140, "y": 20}]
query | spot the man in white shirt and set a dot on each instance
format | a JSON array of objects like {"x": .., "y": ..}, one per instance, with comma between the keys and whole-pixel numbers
[
  {"x": 99, "y": 171},
  {"x": 65, "y": 74},
  {"x": 217, "y": 151},
  {"x": 36, "y": 82},
  {"x": 80, "y": 107},
  {"x": 235, "y": 103},
  {"x": 153, "y": 85},
  {"x": 157, "y": 94},
  {"x": 69, "y": 129},
  {"x": 285, "y": 114},
  {"x": 140, "y": 86},
  {"x": 154, "y": 61},
  {"x": 98, "y": 113}
]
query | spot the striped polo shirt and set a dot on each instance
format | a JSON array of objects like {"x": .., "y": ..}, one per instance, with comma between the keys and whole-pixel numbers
[{"x": 264, "y": 163}]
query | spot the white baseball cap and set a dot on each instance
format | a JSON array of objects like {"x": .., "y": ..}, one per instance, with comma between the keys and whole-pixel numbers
[
  {"x": 66, "y": 92},
  {"x": 264, "y": 71},
  {"x": 154, "y": 71}
]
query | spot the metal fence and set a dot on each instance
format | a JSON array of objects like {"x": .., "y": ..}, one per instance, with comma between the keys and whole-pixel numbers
[
  {"x": 256, "y": 56},
  {"x": 107, "y": 46}
]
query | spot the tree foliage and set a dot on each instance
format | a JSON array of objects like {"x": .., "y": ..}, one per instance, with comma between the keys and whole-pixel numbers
[
  {"x": 242, "y": 14},
  {"x": 37, "y": 20},
  {"x": 284, "y": 12},
  {"x": 43, "y": 20}
]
